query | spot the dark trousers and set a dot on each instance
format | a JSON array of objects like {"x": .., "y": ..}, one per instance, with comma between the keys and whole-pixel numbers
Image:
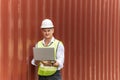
[{"x": 56, "y": 76}]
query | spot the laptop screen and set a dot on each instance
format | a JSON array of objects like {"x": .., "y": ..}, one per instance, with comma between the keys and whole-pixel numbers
[{"x": 43, "y": 53}]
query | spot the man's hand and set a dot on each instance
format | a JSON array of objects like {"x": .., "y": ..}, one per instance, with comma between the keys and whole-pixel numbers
[
  {"x": 56, "y": 64},
  {"x": 37, "y": 62},
  {"x": 47, "y": 63},
  {"x": 50, "y": 63}
]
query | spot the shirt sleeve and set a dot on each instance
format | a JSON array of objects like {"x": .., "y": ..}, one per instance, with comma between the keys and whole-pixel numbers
[
  {"x": 33, "y": 60},
  {"x": 60, "y": 55}
]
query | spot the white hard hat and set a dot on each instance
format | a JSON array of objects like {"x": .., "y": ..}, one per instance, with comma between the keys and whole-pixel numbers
[{"x": 47, "y": 23}]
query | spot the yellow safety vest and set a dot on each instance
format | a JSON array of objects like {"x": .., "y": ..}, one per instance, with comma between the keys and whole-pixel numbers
[{"x": 48, "y": 70}]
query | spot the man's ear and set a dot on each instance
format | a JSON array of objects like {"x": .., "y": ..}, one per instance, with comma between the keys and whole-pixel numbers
[{"x": 53, "y": 30}]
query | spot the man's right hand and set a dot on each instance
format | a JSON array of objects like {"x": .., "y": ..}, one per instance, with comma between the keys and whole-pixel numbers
[
  {"x": 46, "y": 63},
  {"x": 37, "y": 62}
]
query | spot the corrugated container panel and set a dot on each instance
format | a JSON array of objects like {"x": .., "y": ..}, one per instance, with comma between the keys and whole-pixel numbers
[
  {"x": 89, "y": 29},
  {"x": 19, "y": 31}
]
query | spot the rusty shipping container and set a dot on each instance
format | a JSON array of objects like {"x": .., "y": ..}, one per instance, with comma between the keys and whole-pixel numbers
[{"x": 89, "y": 29}]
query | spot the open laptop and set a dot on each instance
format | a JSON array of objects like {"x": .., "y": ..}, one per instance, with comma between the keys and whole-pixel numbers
[{"x": 43, "y": 53}]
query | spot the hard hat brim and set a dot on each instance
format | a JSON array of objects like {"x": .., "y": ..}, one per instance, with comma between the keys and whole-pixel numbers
[{"x": 45, "y": 27}]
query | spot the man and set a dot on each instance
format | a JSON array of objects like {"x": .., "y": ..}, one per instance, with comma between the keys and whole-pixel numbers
[{"x": 47, "y": 29}]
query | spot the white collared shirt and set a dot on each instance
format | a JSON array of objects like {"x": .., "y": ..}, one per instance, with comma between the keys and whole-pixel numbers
[{"x": 60, "y": 53}]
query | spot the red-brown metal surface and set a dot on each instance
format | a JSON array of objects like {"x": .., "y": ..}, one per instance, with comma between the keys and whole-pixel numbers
[{"x": 89, "y": 29}]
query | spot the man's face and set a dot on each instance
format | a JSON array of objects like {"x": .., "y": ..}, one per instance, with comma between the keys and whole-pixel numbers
[{"x": 48, "y": 33}]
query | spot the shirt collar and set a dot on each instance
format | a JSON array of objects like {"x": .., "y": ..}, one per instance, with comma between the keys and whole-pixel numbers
[{"x": 52, "y": 40}]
